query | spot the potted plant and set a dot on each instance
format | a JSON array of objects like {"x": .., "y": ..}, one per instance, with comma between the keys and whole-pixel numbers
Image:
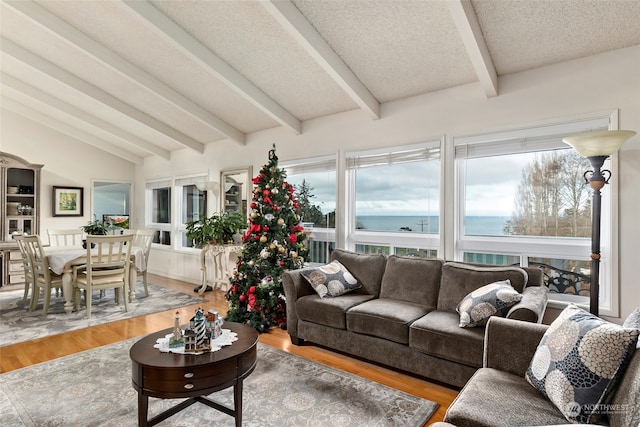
[
  {"x": 218, "y": 228},
  {"x": 95, "y": 228}
]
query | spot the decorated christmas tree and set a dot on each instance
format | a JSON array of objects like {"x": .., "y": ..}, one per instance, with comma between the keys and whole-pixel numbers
[{"x": 273, "y": 243}]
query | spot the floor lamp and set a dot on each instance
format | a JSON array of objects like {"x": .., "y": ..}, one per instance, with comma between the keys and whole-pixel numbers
[{"x": 597, "y": 147}]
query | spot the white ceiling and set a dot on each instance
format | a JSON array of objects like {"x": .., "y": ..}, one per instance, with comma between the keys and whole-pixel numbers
[{"x": 144, "y": 78}]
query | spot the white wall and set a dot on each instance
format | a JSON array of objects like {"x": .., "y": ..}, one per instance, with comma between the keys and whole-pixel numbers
[
  {"x": 67, "y": 162},
  {"x": 595, "y": 84}
]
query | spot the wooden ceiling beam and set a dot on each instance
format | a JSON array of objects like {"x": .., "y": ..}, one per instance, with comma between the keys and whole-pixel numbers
[
  {"x": 117, "y": 63},
  {"x": 469, "y": 29},
  {"x": 211, "y": 62},
  {"x": 294, "y": 22},
  {"x": 64, "y": 128},
  {"x": 81, "y": 86}
]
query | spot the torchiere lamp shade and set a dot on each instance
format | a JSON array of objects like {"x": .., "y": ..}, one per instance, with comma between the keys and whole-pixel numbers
[{"x": 600, "y": 143}]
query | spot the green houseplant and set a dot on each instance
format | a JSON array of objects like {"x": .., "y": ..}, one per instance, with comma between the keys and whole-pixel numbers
[
  {"x": 95, "y": 228},
  {"x": 218, "y": 228}
]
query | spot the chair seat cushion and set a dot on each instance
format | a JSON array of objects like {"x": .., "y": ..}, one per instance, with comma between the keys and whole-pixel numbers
[
  {"x": 385, "y": 318},
  {"x": 438, "y": 334},
  {"x": 328, "y": 311},
  {"x": 496, "y": 398}
]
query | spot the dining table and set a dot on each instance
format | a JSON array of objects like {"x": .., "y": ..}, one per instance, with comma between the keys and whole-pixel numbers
[{"x": 62, "y": 259}]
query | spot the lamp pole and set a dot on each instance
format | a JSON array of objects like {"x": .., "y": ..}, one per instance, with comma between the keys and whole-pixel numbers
[
  {"x": 597, "y": 147},
  {"x": 596, "y": 180}
]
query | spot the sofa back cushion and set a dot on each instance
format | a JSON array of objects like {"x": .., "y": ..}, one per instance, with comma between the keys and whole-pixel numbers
[
  {"x": 367, "y": 269},
  {"x": 412, "y": 279},
  {"x": 460, "y": 279}
]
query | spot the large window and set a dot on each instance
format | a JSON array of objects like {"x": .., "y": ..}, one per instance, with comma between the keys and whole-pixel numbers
[
  {"x": 159, "y": 212},
  {"x": 522, "y": 200},
  {"x": 192, "y": 203},
  {"x": 314, "y": 181},
  {"x": 395, "y": 199}
]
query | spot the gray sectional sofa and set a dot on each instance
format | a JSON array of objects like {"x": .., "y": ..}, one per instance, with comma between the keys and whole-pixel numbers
[{"x": 404, "y": 315}]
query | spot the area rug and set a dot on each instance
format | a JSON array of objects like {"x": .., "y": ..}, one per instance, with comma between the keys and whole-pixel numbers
[
  {"x": 93, "y": 388},
  {"x": 18, "y": 324}
]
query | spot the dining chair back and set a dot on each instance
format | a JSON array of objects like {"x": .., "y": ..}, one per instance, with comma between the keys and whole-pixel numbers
[
  {"x": 43, "y": 277},
  {"x": 143, "y": 239},
  {"x": 70, "y": 237},
  {"x": 107, "y": 267},
  {"x": 27, "y": 265}
]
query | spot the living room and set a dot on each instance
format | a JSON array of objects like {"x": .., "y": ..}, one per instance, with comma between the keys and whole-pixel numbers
[{"x": 603, "y": 84}]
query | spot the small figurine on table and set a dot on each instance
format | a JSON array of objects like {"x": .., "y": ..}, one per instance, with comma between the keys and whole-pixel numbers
[{"x": 177, "y": 339}]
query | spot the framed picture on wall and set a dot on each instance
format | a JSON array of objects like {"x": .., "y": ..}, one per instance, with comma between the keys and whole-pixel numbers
[{"x": 68, "y": 201}]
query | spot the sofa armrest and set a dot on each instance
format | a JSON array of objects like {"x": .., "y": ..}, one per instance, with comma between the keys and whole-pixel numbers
[
  {"x": 509, "y": 345},
  {"x": 295, "y": 286},
  {"x": 532, "y": 306}
]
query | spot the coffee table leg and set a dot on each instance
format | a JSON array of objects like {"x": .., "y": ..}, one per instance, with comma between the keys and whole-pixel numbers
[
  {"x": 143, "y": 406},
  {"x": 237, "y": 402}
]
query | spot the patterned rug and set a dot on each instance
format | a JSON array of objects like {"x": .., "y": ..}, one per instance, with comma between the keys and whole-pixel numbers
[
  {"x": 18, "y": 324},
  {"x": 93, "y": 388}
]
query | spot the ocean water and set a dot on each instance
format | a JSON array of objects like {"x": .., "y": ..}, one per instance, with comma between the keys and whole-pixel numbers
[{"x": 473, "y": 225}]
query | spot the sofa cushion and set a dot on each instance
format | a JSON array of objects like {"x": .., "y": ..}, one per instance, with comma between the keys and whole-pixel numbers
[
  {"x": 579, "y": 361},
  {"x": 331, "y": 280},
  {"x": 328, "y": 311},
  {"x": 459, "y": 279},
  {"x": 438, "y": 334},
  {"x": 384, "y": 318},
  {"x": 625, "y": 408},
  {"x": 497, "y": 398},
  {"x": 367, "y": 269},
  {"x": 412, "y": 279},
  {"x": 633, "y": 319},
  {"x": 493, "y": 299}
]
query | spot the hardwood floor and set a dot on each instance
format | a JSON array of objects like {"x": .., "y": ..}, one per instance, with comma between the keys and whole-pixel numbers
[{"x": 41, "y": 350}]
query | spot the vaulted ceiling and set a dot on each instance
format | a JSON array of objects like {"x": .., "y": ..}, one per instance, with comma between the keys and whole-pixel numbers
[{"x": 144, "y": 78}]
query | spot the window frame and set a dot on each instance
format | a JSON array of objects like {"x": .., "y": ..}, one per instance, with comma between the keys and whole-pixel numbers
[
  {"x": 393, "y": 240},
  {"x": 150, "y": 186},
  {"x": 532, "y": 246}
]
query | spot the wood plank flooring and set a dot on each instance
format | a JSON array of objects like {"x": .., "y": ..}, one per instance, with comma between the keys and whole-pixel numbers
[{"x": 41, "y": 350}]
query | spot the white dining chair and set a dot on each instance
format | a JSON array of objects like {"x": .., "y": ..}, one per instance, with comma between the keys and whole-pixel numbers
[
  {"x": 107, "y": 267},
  {"x": 43, "y": 277},
  {"x": 143, "y": 239},
  {"x": 68, "y": 237},
  {"x": 27, "y": 265}
]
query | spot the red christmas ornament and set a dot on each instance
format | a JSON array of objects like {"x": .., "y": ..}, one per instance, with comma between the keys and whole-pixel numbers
[
  {"x": 282, "y": 263},
  {"x": 242, "y": 298},
  {"x": 252, "y": 289},
  {"x": 265, "y": 228},
  {"x": 253, "y": 205},
  {"x": 293, "y": 238},
  {"x": 275, "y": 208}
]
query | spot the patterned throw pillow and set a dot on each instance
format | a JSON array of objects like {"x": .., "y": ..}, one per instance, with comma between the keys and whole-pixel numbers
[
  {"x": 331, "y": 280},
  {"x": 633, "y": 319},
  {"x": 579, "y": 361},
  {"x": 493, "y": 299}
]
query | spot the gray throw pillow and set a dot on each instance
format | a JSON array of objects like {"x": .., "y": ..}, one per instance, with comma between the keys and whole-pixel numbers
[
  {"x": 331, "y": 280},
  {"x": 493, "y": 299},
  {"x": 633, "y": 319},
  {"x": 579, "y": 362}
]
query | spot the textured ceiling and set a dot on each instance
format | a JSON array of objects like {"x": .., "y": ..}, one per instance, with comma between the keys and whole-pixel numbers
[{"x": 144, "y": 78}]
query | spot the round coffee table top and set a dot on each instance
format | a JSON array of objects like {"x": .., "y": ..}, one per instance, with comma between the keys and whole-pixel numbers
[{"x": 143, "y": 352}]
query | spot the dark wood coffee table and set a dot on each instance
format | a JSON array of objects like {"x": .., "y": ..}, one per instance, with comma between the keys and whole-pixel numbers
[{"x": 175, "y": 376}]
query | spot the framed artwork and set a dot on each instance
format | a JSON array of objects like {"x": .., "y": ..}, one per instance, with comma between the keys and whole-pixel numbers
[{"x": 67, "y": 201}]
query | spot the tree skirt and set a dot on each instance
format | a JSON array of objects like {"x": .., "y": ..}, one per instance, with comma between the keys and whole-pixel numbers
[
  {"x": 18, "y": 324},
  {"x": 94, "y": 388}
]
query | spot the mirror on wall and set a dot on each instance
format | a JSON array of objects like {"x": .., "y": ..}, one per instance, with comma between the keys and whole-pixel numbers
[
  {"x": 235, "y": 190},
  {"x": 112, "y": 201}
]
